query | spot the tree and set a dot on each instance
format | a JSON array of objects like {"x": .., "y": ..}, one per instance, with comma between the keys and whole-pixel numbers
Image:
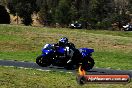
[
  {"x": 76, "y": 9},
  {"x": 3, "y": 2},
  {"x": 4, "y": 16},
  {"x": 23, "y": 8},
  {"x": 121, "y": 6},
  {"x": 45, "y": 14},
  {"x": 62, "y": 13},
  {"x": 97, "y": 13},
  {"x": 121, "y": 9},
  {"x": 47, "y": 11}
]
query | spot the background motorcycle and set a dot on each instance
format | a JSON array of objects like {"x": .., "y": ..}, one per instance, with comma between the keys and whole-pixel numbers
[
  {"x": 76, "y": 26},
  {"x": 127, "y": 27},
  {"x": 59, "y": 56}
]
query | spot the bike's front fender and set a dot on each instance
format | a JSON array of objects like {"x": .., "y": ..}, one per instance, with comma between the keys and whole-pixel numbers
[{"x": 43, "y": 54}]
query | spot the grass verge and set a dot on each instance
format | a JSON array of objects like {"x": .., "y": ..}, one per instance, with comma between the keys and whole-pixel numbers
[
  {"x": 12, "y": 77},
  {"x": 112, "y": 48}
]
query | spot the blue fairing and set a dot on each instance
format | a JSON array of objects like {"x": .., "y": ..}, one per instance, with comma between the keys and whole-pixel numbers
[
  {"x": 61, "y": 50},
  {"x": 86, "y": 51},
  {"x": 46, "y": 52}
]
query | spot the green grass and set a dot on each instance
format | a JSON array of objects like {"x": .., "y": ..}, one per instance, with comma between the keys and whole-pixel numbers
[
  {"x": 11, "y": 77},
  {"x": 112, "y": 48},
  {"x": 20, "y": 55},
  {"x": 114, "y": 60}
]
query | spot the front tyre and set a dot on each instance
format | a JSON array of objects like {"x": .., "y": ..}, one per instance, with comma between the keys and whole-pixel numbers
[{"x": 42, "y": 62}]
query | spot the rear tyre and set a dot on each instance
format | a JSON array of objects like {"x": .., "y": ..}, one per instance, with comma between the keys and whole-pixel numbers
[
  {"x": 81, "y": 80},
  {"x": 42, "y": 62},
  {"x": 88, "y": 63}
]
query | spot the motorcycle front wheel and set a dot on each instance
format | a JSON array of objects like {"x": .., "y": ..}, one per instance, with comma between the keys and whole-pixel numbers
[{"x": 42, "y": 62}]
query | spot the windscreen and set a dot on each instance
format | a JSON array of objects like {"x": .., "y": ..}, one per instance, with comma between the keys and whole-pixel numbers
[{"x": 47, "y": 47}]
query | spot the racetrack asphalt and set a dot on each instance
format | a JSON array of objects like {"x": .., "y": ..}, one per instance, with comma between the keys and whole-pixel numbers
[{"x": 33, "y": 65}]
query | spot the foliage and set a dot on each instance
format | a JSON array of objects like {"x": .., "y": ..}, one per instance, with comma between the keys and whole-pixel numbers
[
  {"x": 62, "y": 15},
  {"x": 3, "y": 2},
  {"x": 64, "y": 12},
  {"x": 4, "y": 16},
  {"x": 23, "y": 8},
  {"x": 45, "y": 14}
]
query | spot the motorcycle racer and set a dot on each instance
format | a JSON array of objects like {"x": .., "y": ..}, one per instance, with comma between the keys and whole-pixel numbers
[
  {"x": 65, "y": 54},
  {"x": 70, "y": 48}
]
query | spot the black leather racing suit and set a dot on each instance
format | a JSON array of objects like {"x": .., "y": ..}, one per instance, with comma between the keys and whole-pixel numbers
[{"x": 72, "y": 51}]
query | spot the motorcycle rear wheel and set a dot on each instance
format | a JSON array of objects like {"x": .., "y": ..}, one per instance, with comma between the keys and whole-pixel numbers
[{"x": 88, "y": 63}]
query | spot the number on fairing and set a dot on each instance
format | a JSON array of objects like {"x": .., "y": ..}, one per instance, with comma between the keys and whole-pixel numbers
[{"x": 69, "y": 51}]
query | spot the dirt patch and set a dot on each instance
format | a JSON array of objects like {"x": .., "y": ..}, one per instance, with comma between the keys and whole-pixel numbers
[{"x": 13, "y": 46}]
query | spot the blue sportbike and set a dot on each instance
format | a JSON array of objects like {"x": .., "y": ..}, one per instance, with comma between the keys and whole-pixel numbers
[{"x": 59, "y": 56}]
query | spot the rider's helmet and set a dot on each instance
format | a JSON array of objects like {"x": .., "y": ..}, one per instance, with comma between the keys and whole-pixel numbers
[{"x": 63, "y": 41}]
